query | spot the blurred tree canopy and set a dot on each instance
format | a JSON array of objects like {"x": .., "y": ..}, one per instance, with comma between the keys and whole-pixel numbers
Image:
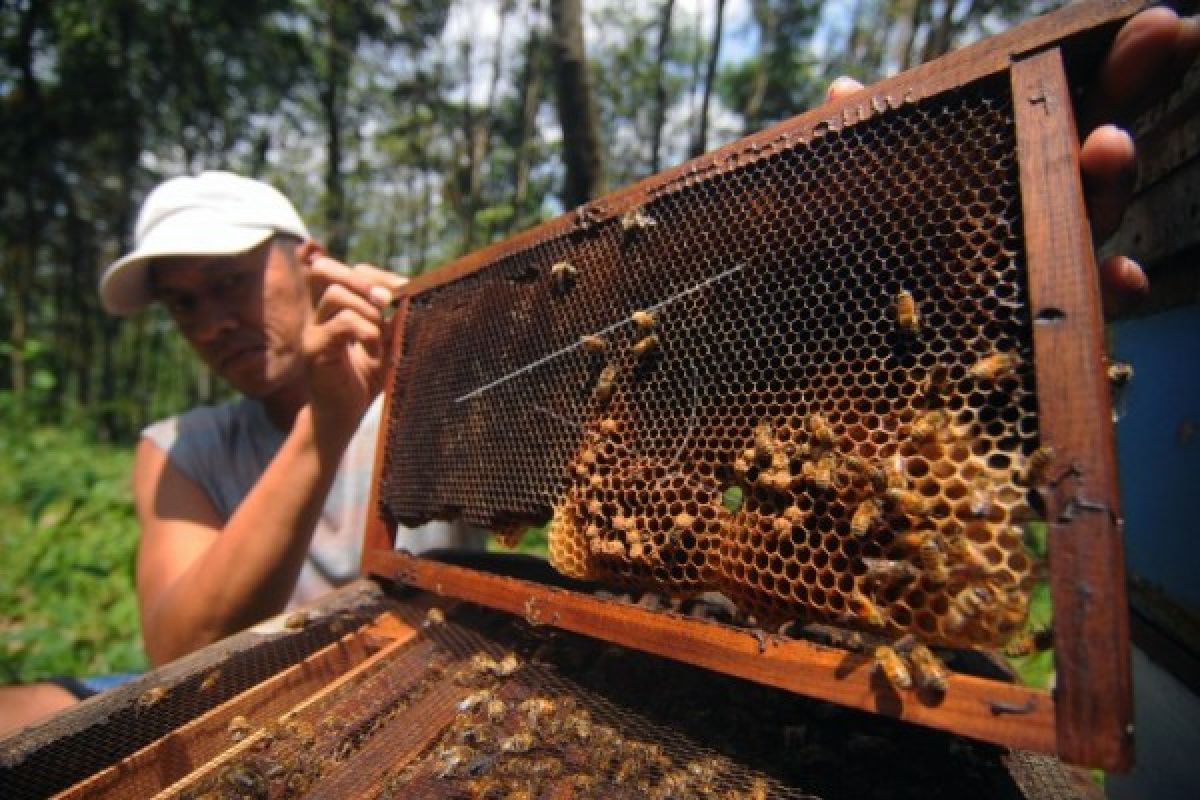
[{"x": 406, "y": 133}]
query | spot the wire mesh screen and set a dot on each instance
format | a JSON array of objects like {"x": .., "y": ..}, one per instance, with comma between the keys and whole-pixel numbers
[{"x": 801, "y": 378}]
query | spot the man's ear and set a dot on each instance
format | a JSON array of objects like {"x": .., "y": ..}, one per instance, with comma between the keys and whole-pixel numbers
[{"x": 308, "y": 251}]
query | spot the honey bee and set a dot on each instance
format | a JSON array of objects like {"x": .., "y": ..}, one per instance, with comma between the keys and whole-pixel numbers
[
  {"x": 564, "y": 275},
  {"x": 968, "y": 557},
  {"x": 297, "y": 620},
  {"x": 1030, "y": 642},
  {"x": 1013, "y": 605},
  {"x": 906, "y": 313},
  {"x": 579, "y": 723},
  {"x": 605, "y": 384},
  {"x": 683, "y": 521},
  {"x": 592, "y": 343},
  {"x": 819, "y": 430},
  {"x": 764, "y": 442},
  {"x": 210, "y": 680},
  {"x": 933, "y": 561},
  {"x": 475, "y": 700},
  {"x": 536, "y": 707},
  {"x": 928, "y": 426},
  {"x": 934, "y": 384},
  {"x": 609, "y": 426},
  {"x": 1119, "y": 373},
  {"x": 645, "y": 346},
  {"x": 238, "y": 728},
  {"x": 495, "y": 709},
  {"x": 301, "y": 730},
  {"x": 907, "y": 501},
  {"x": 821, "y": 472},
  {"x": 1037, "y": 464},
  {"x": 450, "y": 759},
  {"x": 482, "y": 662},
  {"x": 434, "y": 616},
  {"x": 507, "y": 666},
  {"x": 645, "y": 320},
  {"x": 635, "y": 219},
  {"x": 885, "y": 572},
  {"x": 966, "y": 605},
  {"x": 995, "y": 367},
  {"x": 152, "y": 697},
  {"x": 758, "y": 789},
  {"x": 892, "y": 667},
  {"x": 863, "y": 608},
  {"x": 928, "y": 670},
  {"x": 613, "y": 548},
  {"x": 866, "y": 516},
  {"x": 517, "y": 743}
]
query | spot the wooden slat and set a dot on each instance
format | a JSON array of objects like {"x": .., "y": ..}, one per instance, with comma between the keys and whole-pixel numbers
[
  {"x": 975, "y": 707},
  {"x": 378, "y": 533},
  {"x": 183, "y": 750},
  {"x": 391, "y": 748},
  {"x": 1087, "y": 569},
  {"x": 328, "y": 697}
]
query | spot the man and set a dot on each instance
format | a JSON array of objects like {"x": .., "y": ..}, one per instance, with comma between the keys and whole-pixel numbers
[
  {"x": 277, "y": 516},
  {"x": 258, "y": 503}
]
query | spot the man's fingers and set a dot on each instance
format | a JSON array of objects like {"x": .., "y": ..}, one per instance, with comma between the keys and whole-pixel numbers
[
  {"x": 381, "y": 277},
  {"x": 843, "y": 86},
  {"x": 1107, "y": 161},
  {"x": 1122, "y": 283},
  {"x": 330, "y": 338},
  {"x": 338, "y": 298},
  {"x": 1147, "y": 58},
  {"x": 325, "y": 272}
]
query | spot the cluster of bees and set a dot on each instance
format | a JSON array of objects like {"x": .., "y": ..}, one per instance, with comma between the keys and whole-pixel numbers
[
  {"x": 507, "y": 743},
  {"x": 914, "y": 535}
]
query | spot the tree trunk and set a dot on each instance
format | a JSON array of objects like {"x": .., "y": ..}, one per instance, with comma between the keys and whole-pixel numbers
[
  {"x": 767, "y": 20},
  {"x": 660, "y": 88},
  {"x": 918, "y": 17},
  {"x": 700, "y": 142},
  {"x": 336, "y": 231},
  {"x": 530, "y": 99},
  {"x": 576, "y": 110}
]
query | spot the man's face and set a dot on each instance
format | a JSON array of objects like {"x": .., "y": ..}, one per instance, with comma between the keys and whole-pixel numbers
[{"x": 243, "y": 314}]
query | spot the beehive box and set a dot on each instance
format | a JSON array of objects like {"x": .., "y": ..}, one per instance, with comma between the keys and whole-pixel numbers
[
  {"x": 404, "y": 694},
  {"x": 847, "y": 372}
]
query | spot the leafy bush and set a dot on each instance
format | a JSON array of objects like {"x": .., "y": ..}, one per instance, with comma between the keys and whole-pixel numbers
[{"x": 69, "y": 535}]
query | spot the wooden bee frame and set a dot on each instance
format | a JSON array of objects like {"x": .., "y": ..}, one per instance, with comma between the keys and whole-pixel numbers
[{"x": 1087, "y": 718}]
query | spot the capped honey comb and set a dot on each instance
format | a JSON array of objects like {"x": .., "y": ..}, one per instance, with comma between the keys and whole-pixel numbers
[{"x": 834, "y": 419}]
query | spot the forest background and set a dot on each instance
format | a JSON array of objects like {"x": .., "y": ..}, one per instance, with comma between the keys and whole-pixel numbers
[{"x": 407, "y": 133}]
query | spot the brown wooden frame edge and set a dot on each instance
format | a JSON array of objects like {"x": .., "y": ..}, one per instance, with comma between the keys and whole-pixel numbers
[
  {"x": 991, "y": 711},
  {"x": 1093, "y": 694}
]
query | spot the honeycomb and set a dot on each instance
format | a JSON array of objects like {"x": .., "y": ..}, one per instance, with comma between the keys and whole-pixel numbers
[{"x": 800, "y": 374}]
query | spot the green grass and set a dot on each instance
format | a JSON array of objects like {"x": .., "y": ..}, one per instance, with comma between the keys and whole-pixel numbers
[{"x": 68, "y": 535}]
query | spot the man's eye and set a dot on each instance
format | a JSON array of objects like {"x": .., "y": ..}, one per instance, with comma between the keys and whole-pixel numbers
[
  {"x": 231, "y": 281},
  {"x": 179, "y": 305}
]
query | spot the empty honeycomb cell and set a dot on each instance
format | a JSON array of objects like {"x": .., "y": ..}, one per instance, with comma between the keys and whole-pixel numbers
[{"x": 774, "y": 282}]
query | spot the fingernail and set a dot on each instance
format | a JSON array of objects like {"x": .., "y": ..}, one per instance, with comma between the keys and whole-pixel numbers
[{"x": 380, "y": 296}]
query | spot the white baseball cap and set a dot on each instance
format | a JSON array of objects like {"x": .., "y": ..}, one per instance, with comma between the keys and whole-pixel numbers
[{"x": 213, "y": 213}]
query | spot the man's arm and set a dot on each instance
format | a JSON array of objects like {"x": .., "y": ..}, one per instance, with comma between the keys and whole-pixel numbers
[{"x": 199, "y": 581}]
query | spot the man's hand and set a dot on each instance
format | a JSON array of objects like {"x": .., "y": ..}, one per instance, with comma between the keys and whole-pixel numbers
[
  {"x": 1149, "y": 55},
  {"x": 345, "y": 343}
]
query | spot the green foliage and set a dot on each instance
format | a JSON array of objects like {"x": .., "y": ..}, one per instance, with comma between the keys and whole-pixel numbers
[
  {"x": 1037, "y": 668},
  {"x": 534, "y": 541},
  {"x": 732, "y": 499},
  {"x": 68, "y": 534}
]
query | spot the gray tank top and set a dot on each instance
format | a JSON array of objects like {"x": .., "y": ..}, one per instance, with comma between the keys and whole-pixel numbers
[{"x": 225, "y": 449}]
